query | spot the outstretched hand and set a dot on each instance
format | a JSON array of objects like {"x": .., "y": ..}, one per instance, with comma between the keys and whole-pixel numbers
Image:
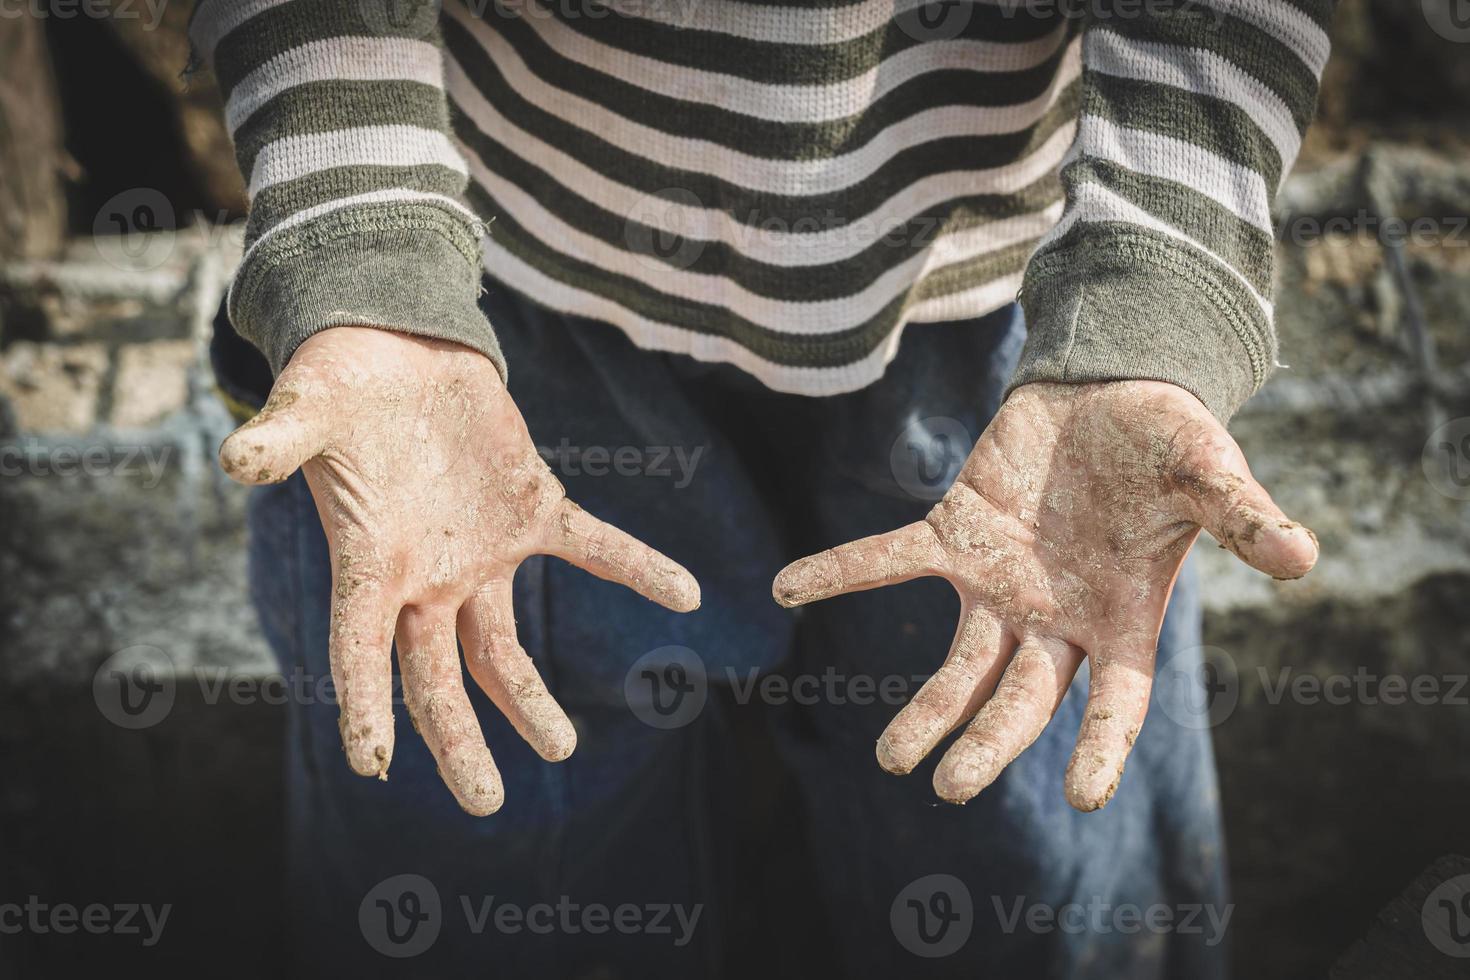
[
  {"x": 431, "y": 492},
  {"x": 1063, "y": 534}
]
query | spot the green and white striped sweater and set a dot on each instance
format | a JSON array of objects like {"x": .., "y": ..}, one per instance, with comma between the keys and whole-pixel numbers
[{"x": 779, "y": 186}]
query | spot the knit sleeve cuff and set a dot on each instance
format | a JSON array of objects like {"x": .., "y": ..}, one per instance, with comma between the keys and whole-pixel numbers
[
  {"x": 1116, "y": 305},
  {"x": 412, "y": 269}
]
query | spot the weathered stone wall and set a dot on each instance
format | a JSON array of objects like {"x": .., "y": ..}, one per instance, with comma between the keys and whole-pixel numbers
[
  {"x": 117, "y": 530},
  {"x": 111, "y": 424},
  {"x": 1338, "y": 790}
]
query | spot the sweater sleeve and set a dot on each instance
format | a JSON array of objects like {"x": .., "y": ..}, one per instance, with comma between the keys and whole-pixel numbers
[
  {"x": 357, "y": 213},
  {"x": 1162, "y": 264}
]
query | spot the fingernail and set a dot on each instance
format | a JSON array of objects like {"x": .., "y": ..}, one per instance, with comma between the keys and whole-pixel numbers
[
  {"x": 1288, "y": 565},
  {"x": 686, "y": 595},
  {"x": 367, "y": 754},
  {"x": 559, "y": 742},
  {"x": 960, "y": 778},
  {"x": 475, "y": 782},
  {"x": 801, "y": 582},
  {"x": 675, "y": 587},
  {"x": 1091, "y": 788},
  {"x": 894, "y": 759},
  {"x": 481, "y": 799}
]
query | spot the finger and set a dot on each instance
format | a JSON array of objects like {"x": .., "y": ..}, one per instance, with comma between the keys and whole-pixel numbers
[
  {"x": 1227, "y": 501},
  {"x": 488, "y": 629},
  {"x": 617, "y": 556},
  {"x": 285, "y": 433},
  {"x": 434, "y": 691},
  {"x": 1033, "y": 686},
  {"x": 976, "y": 658},
  {"x": 1117, "y": 701},
  {"x": 883, "y": 559},
  {"x": 359, "y": 650}
]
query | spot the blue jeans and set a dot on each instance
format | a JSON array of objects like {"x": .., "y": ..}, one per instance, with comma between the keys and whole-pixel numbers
[{"x": 723, "y": 813}]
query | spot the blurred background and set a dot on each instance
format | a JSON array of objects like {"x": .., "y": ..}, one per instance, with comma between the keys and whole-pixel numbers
[{"x": 119, "y": 199}]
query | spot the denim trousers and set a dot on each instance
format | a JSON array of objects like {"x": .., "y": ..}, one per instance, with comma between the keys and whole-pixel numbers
[{"x": 723, "y": 814}]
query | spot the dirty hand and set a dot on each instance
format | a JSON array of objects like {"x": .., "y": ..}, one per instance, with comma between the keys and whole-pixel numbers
[
  {"x": 1063, "y": 535},
  {"x": 431, "y": 493}
]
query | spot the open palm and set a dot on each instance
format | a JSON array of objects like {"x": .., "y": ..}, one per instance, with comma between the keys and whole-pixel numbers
[
  {"x": 1063, "y": 535},
  {"x": 431, "y": 493}
]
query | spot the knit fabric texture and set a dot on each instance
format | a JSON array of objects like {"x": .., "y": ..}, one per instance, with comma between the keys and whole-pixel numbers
[{"x": 779, "y": 186}]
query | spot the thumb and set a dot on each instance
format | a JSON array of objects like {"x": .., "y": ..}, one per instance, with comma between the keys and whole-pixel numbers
[
  {"x": 1229, "y": 503},
  {"x": 288, "y": 431}
]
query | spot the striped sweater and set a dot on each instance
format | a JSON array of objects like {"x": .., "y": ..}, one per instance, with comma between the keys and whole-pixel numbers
[{"x": 780, "y": 186}]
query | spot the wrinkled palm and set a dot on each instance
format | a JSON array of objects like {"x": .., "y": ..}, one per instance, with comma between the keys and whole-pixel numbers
[
  {"x": 1063, "y": 535},
  {"x": 431, "y": 492}
]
